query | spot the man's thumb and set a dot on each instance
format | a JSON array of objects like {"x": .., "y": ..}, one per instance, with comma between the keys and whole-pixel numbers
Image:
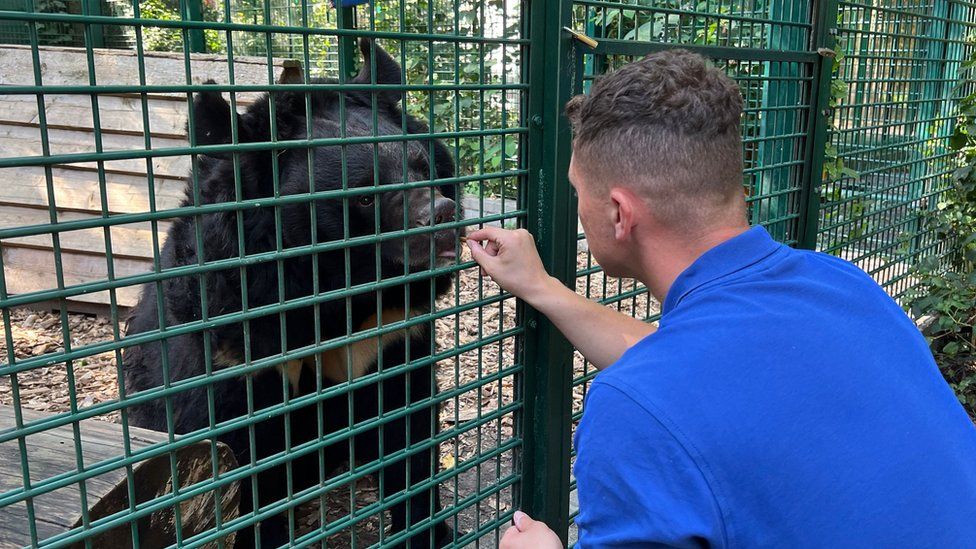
[
  {"x": 522, "y": 521},
  {"x": 479, "y": 254}
]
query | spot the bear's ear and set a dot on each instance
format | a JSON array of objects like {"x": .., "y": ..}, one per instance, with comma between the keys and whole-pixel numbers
[
  {"x": 387, "y": 72},
  {"x": 212, "y": 121}
]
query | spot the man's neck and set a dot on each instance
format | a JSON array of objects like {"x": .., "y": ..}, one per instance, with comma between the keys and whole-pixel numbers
[{"x": 669, "y": 257}]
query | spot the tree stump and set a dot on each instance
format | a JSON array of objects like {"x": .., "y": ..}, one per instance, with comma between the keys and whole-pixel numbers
[{"x": 52, "y": 452}]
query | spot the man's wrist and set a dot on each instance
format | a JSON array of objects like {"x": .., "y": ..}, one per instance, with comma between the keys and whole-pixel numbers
[{"x": 543, "y": 292}]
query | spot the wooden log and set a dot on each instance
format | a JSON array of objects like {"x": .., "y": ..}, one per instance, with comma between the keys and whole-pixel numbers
[{"x": 52, "y": 452}]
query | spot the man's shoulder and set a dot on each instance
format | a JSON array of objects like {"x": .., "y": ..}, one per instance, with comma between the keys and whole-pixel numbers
[
  {"x": 830, "y": 262},
  {"x": 647, "y": 370},
  {"x": 794, "y": 278}
]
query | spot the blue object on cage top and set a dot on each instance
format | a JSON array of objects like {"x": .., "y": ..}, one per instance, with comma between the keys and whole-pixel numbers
[{"x": 348, "y": 3}]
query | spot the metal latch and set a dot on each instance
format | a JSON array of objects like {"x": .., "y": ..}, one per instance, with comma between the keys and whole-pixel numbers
[{"x": 582, "y": 37}]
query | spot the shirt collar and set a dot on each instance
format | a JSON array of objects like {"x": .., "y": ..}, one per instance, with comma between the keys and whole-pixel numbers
[{"x": 730, "y": 256}]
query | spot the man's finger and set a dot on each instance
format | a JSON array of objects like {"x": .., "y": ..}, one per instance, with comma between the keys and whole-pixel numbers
[
  {"x": 487, "y": 233},
  {"x": 478, "y": 252},
  {"x": 522, "y": 521}
]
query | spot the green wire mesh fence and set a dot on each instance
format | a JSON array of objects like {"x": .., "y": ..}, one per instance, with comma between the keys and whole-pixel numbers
[
  {"x": 882, "y": 150},
  {"x": 303, "y": 310},
  {"x": 776, "y": 76},
  {"x": 890, "y": 132},
  {"x": 261, "y": 202}
]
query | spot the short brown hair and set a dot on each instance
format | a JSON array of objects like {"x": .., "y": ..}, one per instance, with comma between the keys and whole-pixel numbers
[{"x": 668, "y": 125}]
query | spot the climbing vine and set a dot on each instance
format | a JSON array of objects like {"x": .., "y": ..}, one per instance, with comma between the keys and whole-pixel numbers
[{"x": 945, "y": 297}]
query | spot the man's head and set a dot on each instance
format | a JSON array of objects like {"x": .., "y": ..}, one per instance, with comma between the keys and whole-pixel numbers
[{"x": 656, "y": 144}]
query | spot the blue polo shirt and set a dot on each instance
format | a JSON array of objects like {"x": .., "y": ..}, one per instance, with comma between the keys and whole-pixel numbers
[{"x": 785, "y": 401}]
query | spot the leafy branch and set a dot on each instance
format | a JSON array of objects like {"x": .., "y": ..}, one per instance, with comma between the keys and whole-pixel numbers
[{"x": 945, "y": 297}]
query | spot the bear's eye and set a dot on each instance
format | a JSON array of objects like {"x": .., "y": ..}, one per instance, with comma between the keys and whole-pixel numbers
[{"x": 365, "y": 201}]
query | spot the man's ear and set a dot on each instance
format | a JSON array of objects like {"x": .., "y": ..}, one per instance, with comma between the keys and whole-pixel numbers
[{"x": 625, "y": 206}]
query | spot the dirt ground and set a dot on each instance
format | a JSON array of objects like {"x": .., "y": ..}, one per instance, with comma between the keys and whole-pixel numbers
[{"x": 477, "y": 371}]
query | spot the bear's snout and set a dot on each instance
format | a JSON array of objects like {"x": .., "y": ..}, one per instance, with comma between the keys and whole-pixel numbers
[{"x": 440, "y": 211}]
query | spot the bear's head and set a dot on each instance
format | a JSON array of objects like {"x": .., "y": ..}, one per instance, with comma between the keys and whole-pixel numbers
[{"x": 379, "y": 179}]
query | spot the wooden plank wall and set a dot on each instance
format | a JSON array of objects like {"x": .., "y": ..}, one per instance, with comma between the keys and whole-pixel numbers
[{"x": 24, "y": 200}]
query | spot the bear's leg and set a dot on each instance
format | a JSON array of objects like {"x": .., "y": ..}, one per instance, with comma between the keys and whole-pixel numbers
[
  {"x": 419, "y": 427},
  {"x": 271, "y": 484}
]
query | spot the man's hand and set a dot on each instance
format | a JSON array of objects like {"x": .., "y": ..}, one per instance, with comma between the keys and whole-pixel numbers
[
  {"x": 511, "y": 260},
  {"x": 530, "y": 534}
]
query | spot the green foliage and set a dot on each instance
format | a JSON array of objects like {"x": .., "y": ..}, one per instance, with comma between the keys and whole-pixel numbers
[
  {"x": 167, "y": 39},
  {"x": 690, "y": 27},
  {"x": 947, "y": 289},
  {"x": 946, "y": 293},
  {"x": 834, "y": 167},
  {"x": 55, "y": 33}
]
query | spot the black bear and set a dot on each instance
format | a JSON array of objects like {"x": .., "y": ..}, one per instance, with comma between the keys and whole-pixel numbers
[{"x": 342, "y": 262}]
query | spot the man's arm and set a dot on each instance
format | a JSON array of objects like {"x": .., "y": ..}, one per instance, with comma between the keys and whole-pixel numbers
[{"x": 600, "y": 333}]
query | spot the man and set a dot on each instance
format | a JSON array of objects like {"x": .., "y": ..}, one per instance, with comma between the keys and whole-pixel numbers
[{"x": 785, "y": 400}]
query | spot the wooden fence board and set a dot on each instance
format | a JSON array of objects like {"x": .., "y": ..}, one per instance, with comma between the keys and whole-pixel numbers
[
  {"x": 80, "y": 190},
  {"x": 29, "y": 270},
  {"x": 116, "y": 114},
  {"x": 131, "y": 240},
  {"x": 29, "y": 261},
  {"x": 26, "y": 141}
]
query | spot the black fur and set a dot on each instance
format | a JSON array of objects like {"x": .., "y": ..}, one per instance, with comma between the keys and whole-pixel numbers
[{"x": 181, "y": 296}]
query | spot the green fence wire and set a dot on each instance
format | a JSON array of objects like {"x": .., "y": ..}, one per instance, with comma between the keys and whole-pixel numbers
[
  {"x": 372, "y": 391},
  {"x": 301, "y": 303},
  {"x": 851, "y": 183},
  {"x": 890, "y": 132},
  {"x": 763, "y": 46}
]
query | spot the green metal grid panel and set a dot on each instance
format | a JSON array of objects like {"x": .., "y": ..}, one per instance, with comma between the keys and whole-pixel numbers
[
  {"x": 891, "y": 132},
  {"x": 13, "y": 32},
  {"x": 780, "y": 53},
  {"x": 463, "y": 64},
  {"x": 51, "y": 33},
  {"x": 765, "y": 46}
]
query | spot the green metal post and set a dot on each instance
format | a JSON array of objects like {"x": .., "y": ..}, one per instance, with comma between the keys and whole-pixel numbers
[
  {"x": 780, "y": 91},
  {"x": 194, "y": 12},
  {"x": 551, "y": 217},
  {"x": 824, "y": 36},
  {"x": 94, "y": 7},
  {"x": 347, "y": 44}
]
